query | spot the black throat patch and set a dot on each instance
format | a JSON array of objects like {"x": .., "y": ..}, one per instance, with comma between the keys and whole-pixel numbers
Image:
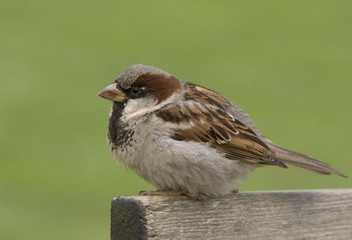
[{"x": 118, "y": 132}]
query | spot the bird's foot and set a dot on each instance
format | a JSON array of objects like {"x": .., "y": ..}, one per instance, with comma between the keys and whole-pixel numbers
[
  {"x": 198, "y": 196},
  {"x": 235, "y": 191}
]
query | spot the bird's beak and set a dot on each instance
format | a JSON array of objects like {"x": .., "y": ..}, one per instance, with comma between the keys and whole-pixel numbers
[{"x": 113, "y": 93}]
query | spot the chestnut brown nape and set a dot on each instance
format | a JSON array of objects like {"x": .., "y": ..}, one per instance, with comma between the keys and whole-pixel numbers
[{"x": 160, "y": 85}]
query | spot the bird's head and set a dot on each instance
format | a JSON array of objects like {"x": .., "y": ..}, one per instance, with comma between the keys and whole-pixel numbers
[{"x": 141, "y": 87}]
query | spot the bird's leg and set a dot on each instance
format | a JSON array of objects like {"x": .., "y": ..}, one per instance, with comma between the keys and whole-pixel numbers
[{"x": 198, "y": 196}]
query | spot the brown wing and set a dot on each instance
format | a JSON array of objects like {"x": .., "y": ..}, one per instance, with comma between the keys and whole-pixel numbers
[{"x": 201, "y": 117}]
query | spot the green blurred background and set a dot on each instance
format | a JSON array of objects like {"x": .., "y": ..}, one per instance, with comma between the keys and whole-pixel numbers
[{"x": 287, "y": 63}]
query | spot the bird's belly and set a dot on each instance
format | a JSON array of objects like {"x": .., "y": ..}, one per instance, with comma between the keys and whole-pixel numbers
[{"x": 190, "y": 166}]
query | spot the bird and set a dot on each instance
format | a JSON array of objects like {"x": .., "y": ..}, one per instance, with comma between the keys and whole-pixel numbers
[{"x": 186, "y": 139}]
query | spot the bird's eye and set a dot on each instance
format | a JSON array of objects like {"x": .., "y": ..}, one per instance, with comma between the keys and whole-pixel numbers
[{"x": 135, "y": 91}]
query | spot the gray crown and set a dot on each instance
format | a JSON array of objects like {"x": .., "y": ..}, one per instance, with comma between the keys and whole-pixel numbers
[{"x": 129, "y": 76}]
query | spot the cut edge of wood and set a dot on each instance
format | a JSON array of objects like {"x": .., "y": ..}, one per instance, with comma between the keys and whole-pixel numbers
[{"x": 128, "y": 218}]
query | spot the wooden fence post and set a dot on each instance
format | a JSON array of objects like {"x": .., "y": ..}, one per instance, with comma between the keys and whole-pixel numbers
[{"x": 315, "y": 214}]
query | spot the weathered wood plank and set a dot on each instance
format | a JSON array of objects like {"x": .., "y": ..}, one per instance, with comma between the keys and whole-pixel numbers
[{"x": 317, "y": 214}]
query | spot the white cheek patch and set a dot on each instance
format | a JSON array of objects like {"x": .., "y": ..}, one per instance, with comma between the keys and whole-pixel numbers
[{"x": 138, "y": 107}]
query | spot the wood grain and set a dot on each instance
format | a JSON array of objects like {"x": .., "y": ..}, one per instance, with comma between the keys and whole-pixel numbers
[{"x": 316, "y": 214}]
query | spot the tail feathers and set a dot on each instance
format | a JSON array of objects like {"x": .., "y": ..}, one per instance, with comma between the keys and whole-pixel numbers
[{"x": 303, "y": 161}]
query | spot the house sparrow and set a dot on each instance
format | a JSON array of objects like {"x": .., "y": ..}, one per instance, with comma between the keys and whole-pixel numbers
[{"x": 187, "y": 139}]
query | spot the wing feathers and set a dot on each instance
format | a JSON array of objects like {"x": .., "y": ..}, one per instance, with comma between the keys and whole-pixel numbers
[{"x": 201, "y": 117}]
